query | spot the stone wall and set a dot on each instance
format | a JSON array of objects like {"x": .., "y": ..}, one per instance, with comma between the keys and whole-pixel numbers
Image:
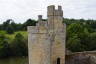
[
  {"x": 88, "y": 57},
  {"x": 57, "y": 30},
  {"x": 46, "y": 40}
]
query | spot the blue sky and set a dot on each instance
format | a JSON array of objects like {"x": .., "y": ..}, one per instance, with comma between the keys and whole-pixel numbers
[{"x": 20, "y": 10}]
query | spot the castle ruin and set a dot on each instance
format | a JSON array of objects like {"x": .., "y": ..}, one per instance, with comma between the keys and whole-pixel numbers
[{"x": 46, "y": 40}]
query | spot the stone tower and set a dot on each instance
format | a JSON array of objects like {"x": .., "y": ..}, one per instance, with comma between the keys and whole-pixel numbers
[{"x": 46, "y": 40}]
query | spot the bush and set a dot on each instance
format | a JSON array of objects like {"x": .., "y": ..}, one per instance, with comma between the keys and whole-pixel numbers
[
  {"x": 18, "y": 46},
  {"x": 4, "y": 46}
]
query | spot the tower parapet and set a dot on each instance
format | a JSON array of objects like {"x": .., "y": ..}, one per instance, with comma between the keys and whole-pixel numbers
[
  {"x": 54, "y": 12},
  {"x": 50, "y": 10}
]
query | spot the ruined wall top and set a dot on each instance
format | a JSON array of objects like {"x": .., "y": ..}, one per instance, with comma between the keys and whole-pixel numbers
[{"x": 51, "y": 11}]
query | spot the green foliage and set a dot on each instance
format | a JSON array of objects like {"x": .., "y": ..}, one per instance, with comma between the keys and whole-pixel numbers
[
  {"x": 16, "y": 47},
  {"x": 74, "y": 44},
  {"x": 92, "y": 41},
  {"x": 74, "y": 28},
  {"x": 10, "y": 30},
  {"x": 29, "y": 22},
  {"x": 4, "y": 46},
  {"x": 19, "y": 45},
  {"x": 10, "y": 26},
  {"x": 80, "y": 35}
]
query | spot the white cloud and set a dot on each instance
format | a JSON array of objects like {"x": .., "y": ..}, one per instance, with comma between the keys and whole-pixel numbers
[{"x": 20, "y": 10}]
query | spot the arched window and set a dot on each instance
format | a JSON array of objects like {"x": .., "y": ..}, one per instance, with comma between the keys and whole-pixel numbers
[{"x": 58, "y": 60}]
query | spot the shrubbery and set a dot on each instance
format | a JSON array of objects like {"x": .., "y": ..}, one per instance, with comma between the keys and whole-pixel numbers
[
  {"x": 81, "y": 35},
  {"x": 17, "y": 47}
]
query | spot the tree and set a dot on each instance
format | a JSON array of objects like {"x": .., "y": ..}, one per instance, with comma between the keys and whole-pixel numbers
[
  {"x": 74, "y": 44},
  {"x": 92, "y": 41},
  {"x": 75, "y": 28},
  {"x": 14, "y": 26},
  {"x": 6, "y": 24},
  {"x": 10, "y": 29},
  {"x": 77, "y": 32},
  {"x": 4, "y": 46},
  {"x": 29, "y": 22},
  {"x": 18, "y": 46}
]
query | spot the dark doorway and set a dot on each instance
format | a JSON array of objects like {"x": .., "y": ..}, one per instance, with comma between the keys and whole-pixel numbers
[{"x": 58, "y": 60}]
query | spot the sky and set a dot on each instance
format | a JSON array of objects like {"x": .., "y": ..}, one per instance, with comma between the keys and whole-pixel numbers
[{"x": 21, "y": 10}]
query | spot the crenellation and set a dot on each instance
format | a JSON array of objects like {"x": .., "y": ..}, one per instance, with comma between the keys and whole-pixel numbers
[
  {"x": 59, "y": 8},
  {"x": 39, "y": 17},
  {"x": 41, "y": 22},
  {"x": 54, "y": 12},
  {"x": 57, "y": 13},
  {"x": 50, "y": 11}
]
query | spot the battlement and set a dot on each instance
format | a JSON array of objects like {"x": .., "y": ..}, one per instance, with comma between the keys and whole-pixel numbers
[
  {"x": 41, "y": 22},
  {"x": 39, "y": 17},
  {"x": 51, "y": 11}
]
